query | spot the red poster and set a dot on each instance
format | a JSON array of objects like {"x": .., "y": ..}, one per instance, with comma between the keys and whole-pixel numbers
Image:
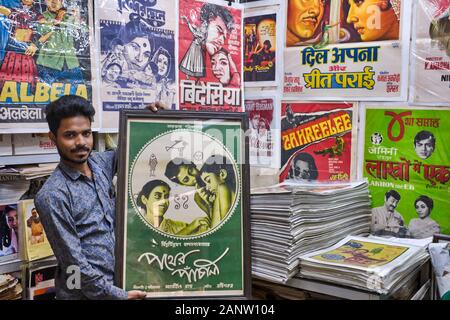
[
  {"x": 316, "y": 141},
  {"x": 210, "y": 56}
]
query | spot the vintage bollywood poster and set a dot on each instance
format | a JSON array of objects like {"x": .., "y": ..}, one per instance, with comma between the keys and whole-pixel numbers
[
  {"x": 137, "y": 55},
  {"x": 347, "y": 50},
  {"x": 362, "y": 254},
  {"x": 317, "y": 141},
  {"x": 9, "y": 231},
  {"x": 183, "y": 223},
  {"x": 45, "y": 52},
  {"x": 260, "y": 49},
  {"x": 35, "y": 244},
  {"x": 210, "y": 56},
  {"x": 405, "y": 159},
  {"x": 430, "y": 52},
  {"x": 264, "y": 129}
]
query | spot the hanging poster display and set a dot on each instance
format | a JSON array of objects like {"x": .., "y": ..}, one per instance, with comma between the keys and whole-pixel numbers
[
  {"x": 430, "y": 52},
  {"x": 317, "y": 141},
  {"x": 137, "y": 55},
  {"x": 406, "y": 162},
  {"x": 347, "y": 50},
  {"x": 183, "y": 196},
  {"x": 263, "y": 111},
  {"x": 210, "y": 56},
  {"x": 45, "y": 52},
  {"x": 260, "y": 48}
]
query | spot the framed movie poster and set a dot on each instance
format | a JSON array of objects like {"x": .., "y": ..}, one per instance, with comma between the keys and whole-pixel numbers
[{"x": 183, "y": 225}]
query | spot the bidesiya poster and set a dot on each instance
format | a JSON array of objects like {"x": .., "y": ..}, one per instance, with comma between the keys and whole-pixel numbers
[
  {"x": 45, "y": 52},
  {"x": 263, "y": 111},
  {"x": 184, "y": 208},
  {"x": 317, "y": 141},
  {"x": 347, "y": 50},
  {"x": 260, "y": 49},
  {"x": 405, "y": 159},
  {"x": 210, "y": 56},
  {"x": 430, "y": 52},
  {"x": 137, "y": 55}
]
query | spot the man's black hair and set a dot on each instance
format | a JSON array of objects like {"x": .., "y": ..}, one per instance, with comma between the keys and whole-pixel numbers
[
  {"x": 306, "y": 157},
  {"x": 67, "y": 107},
  {"x": 394, "y": 194},
  {"x": 210, "y": 11},
  {"x": 423, "y": 135}
]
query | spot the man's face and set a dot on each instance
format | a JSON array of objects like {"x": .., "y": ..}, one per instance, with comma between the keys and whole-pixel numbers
[
  {"x": 391, "y": 203},
  {"x": 54, "y": 5},
  {"x": 112, "y": 73},
  {"x": 212, "y": 181},
  {"x": 255, "y": 120},
  {"x": 302, "y": 170},
  {"x": 221, "y": 68},
  {"x": 187, "y": 175},
  {"x": 11, "y": 218},
  {"x": 137, "y": 53},
  {"x": 304, "y": 16},
  {"x": 158, "y": 200},
  {"x": 163, "y": 64},
  {"x": 34, "y": 213},
  {"x": 74, "y": 139},
  {"x": 215, "y": 35},
  {"x": 364, "y": 15},
  {"x": 424, "y": 148}
]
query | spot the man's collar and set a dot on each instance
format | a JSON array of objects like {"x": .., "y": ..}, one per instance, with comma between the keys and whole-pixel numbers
[{"x": 75, "y": 174}]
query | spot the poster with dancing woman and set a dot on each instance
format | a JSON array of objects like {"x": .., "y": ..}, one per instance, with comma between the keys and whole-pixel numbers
[
  {"x": 210, "y": 56},
  {"x": 136, "y": 56},
  {"x": 182, "y": 228}
]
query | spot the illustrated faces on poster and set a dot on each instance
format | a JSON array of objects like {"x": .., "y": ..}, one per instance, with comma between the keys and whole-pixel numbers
[
  {"x": 221, "y": 67},
  {"x": 424, "y": 144},
  {"x": 53, "y": 5},
  {"x": 157, "y": 200},
  {"x": 137, "y": 53},
  {"x": 112, "y": 72},
  {"x": 391, "y": 203},
  {"x": 11, "y": 220},
  {"x": 375, "y": 19},
  {"x": 304, "y": 17},
  {"x": 216, "y": 34}
]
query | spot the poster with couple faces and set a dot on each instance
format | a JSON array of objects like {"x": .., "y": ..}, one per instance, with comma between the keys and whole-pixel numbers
[
  {"x": 404, "y": 155},
  {"x": 210, "y": 56},
  {"x": 430, "y": 52},
  {"x": 349, "y": 50},
  {"x": 182, "y": 205},
  {"x": 136, "y": 45}
]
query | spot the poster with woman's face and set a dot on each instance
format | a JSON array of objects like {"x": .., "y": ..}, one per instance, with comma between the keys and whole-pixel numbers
[
  {"x": 430, "y": 52},
  {"x": 9, "y": 231},
  {"x": 136, "y": 55},
  {"x": 184, "y": 213},
  {"x": 210, "y": 56}
]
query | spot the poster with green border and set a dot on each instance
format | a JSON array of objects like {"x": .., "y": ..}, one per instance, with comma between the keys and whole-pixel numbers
[
  {"x": 183, "y": 220},
  {"x": 407, "y": 162}
]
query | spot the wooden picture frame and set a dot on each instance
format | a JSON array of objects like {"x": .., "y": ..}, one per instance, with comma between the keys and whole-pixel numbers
[{"x": 183, "y": 220}]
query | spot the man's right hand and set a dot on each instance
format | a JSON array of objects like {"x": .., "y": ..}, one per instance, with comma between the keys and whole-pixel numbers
[{"x": 136, "y": 295}]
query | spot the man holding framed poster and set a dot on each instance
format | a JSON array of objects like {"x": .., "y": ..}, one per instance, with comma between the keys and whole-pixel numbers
[{"x": 183, "y": 231}]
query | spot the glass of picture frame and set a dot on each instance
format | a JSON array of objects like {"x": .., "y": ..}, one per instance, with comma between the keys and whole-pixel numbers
[{"x": 183, "y": 205}]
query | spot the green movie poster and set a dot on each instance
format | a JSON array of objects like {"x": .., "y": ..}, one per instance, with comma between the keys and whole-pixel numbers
[
  {"x": 407, "y": 162},
  {"x": 184, "y": 212}
]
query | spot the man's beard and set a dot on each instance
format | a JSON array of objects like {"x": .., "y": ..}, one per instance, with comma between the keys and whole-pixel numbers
[{"x": 76, "y": 161}]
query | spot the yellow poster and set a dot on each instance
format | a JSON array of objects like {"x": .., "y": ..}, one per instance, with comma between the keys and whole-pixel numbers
[
  {"x": 35, "y": 242},
  {"x": 362, "y": 254}
]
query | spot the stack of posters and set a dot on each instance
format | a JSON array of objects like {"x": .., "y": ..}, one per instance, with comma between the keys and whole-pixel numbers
[
  {"x": 10, "y": 288},
  {"x": 12, "y": 187},
  {"x": 289, "y": 220},
  {"x": 29, "y": 172},
  {"x": 371, "y": 264},
  {"x": 40, "y": 277}
]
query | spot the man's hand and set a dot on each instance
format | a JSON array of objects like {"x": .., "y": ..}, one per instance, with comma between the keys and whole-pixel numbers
[
  {"x": 155, "y": 106},
  {"x": 136, "y": 295}
]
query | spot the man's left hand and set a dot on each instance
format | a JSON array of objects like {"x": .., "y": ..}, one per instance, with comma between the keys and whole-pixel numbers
[{"x": 155, "y": 106}]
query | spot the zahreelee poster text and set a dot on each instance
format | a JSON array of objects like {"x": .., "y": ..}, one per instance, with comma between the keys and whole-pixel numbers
[
  {"x": 406, "y": 161},
  {"x": 45, "y": 53},
  {"x": 345, "y": 49},
  {"x": 210, "y": 56},
  {"x": 316, "y": 141}
]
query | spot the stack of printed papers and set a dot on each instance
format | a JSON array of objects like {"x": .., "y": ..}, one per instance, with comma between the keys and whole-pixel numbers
[
  {"x": 372, "y": 264},
  {"x": 10, "y": 288},
  {"x": 290, "y": 220}
]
